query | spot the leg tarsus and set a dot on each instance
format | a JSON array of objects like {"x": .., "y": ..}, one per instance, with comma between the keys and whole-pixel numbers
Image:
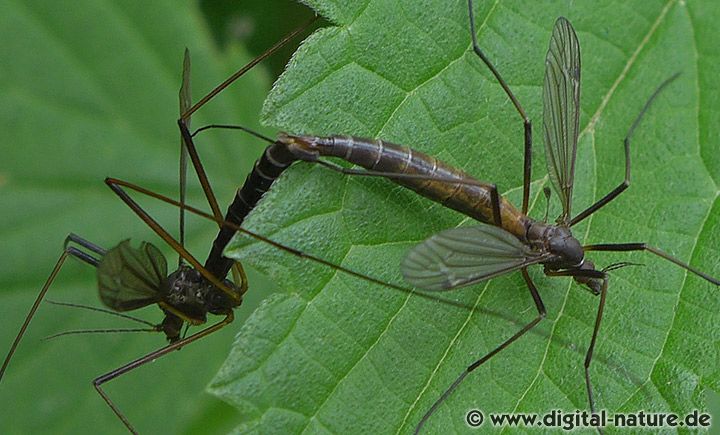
[
  {"x": 591, "y": 348},
  {"x": 626, "y": 142},
  {"x": 100, "y": 380},
  {"x": 112, "y": 406},
  {"x": 610, "y": 196},
  {"x": 67, "y": 251},
  {"x": 247, "y": 68},
  {"x": 624, "y": 247}
]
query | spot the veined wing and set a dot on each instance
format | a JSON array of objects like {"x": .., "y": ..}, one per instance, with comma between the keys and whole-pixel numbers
[
  {"x": 466, "y": 255},
  {"x": 185, "y": 97},
  {"x": 561, "y": 109},
  {"x": 130, "y": 278}
]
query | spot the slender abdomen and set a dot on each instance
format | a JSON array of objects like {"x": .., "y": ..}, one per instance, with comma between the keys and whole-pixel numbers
[
  {"x": 470, "y": 199},
  {"x": 267, "y": 169}
]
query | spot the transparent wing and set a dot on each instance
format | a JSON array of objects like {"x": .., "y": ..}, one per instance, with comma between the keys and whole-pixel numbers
[
  {"x": 464, "y": 256},
  {"x": 130, "y": 278},
  {"x": 561, "y": 109},
  {"x": 185, "y": 104}
]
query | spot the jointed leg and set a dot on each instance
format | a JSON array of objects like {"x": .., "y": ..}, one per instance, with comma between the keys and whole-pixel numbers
[
  {"x": 593, "y": 340},
  {"x": 527, "y": 124},
  {"x": 541, "y": 315},
  {"x": 598, "y": 320},
  {"x": 219, "y": 88},
  {"x": 100, "y": 380},
  {"x": 623, "y": 247},
  {"x": 188, "y": 147},
  {"x": 495, "y": 200},
  {"x": 626, "y": 142},
  {"x": 71, "y": 251},
  {"x": 117, "y": 187}
]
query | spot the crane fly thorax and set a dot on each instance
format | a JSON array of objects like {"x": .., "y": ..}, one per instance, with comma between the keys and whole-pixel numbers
[
  {"x": 559, "y": 241},
  {"x": 567, "y": 250},
  {"x": 193, "y": 295}
]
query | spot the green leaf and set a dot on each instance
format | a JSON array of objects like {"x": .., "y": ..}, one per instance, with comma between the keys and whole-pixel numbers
[
  {"x": 335, "y": 354},
  {"x": 89, "y": 89}
]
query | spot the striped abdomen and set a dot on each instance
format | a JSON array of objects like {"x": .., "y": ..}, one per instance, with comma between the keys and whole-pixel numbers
[
  {"x": 470, "y": 199},
  {"x": 267, "y": 169}
]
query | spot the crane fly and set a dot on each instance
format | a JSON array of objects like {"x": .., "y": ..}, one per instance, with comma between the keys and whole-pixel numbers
[
  {"x": 508, "y": 240},
  {"x": 130, "y": 277}
]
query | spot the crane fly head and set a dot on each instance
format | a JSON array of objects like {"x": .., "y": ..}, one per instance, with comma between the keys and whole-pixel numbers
[{"x": 570, "y": 256}]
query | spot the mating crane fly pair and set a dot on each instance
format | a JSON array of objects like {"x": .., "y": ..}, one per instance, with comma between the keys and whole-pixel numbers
[{"x": 509, "y": 240}]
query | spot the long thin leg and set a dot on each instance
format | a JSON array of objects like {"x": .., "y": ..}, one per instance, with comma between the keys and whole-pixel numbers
[
  {"x": 527, "y": 124},
  {"x": 100, "y": 380},
  {"x": 527, "y": 166},
  {"x": 624, "y": 247},
  {"x": 189, "y": 147},
  {"x": 67, "y": 251},
  {"x": 199, "y": 169},
  {"x": 74, "y": 238},
  {"x": 81, "y": 255},
  {"x": 593, "y": 340},
  {"x": 541, "y": 315},
  {"x": 184, "y": 120},
  {"x": 495, "y": 199},
  {"x": 626, "y": 143},
  {"x": 116, "y": 187},
  {"x": 598, "y": 320},
  {"x": 370, "y": 173},
  {"x": 118, "y": 183},
  {"x": 238, "y": 271},
  {"x": 494, "y": 195},
  {"x": 348, "y": 171},
  {"x": 219, "y": 88}
]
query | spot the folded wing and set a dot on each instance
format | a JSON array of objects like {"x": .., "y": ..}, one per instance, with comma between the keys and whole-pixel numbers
[
  {"x": 561, "y": 109},
  {"x": 130, "y": 278},
  {"x": 466, "y": 255}
]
